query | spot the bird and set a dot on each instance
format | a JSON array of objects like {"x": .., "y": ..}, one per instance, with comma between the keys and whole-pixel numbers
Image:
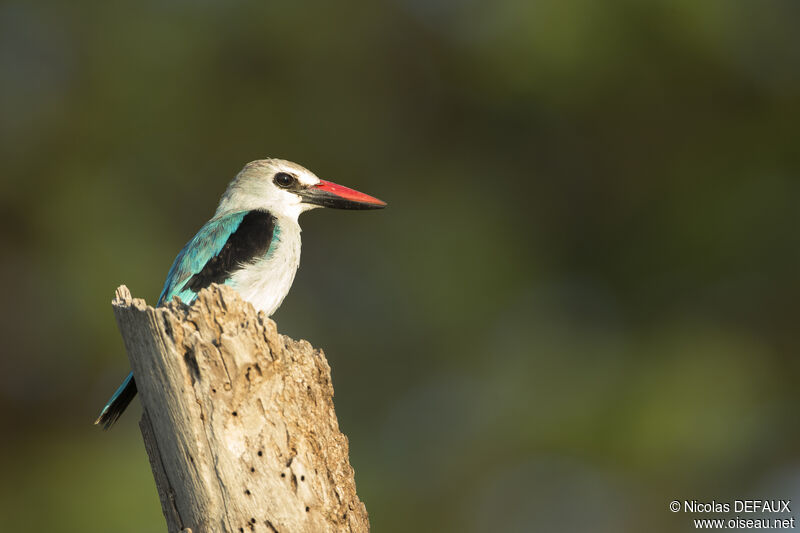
[{"x": 252, "y": 243}]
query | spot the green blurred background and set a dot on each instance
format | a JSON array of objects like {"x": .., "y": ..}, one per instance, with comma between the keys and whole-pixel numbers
[{"x": 580, "y": 304}]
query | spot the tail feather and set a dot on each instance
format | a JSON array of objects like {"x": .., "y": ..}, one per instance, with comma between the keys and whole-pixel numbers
[{"x": 118, "y": 402}]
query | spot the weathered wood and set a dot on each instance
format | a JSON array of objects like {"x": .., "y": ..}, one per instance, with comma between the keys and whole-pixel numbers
[{"x": 238, "y": 420}]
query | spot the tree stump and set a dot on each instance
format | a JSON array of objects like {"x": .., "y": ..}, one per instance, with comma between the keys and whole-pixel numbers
[{"x": 238, "y": 422}]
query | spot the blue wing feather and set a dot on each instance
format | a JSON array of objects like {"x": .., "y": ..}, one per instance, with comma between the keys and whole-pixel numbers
[{"x": 207, "y": 243}]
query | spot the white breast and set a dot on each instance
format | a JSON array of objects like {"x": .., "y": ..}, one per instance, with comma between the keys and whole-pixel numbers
[{"x": 266, "y": 281}]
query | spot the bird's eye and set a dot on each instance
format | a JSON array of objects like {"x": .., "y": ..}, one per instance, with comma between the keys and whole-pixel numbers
[{"x": 284, "y": 180}]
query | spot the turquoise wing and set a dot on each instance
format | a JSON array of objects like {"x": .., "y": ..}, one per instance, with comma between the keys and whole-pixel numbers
[{"x": 206, "y": 244}]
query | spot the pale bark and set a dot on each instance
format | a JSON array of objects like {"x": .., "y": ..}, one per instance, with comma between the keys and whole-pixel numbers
[{"x": 238, "y": 420}]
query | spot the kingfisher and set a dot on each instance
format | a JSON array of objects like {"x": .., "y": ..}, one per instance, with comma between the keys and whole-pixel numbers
[{"x": 252, "y": 243}]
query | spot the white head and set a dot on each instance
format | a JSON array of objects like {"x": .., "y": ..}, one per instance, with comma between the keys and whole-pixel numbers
[{"x": 286, "y": 189}]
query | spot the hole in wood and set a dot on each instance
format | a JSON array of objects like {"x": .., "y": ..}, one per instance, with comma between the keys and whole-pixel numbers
[
  {"x": 252, "y": 469},
  {"x": 307, "y": 508},
  {"x": 247, "y": 491},
  {"x": 283, "y": 475},
  {"x": 191, "y": 362},
  {"x": 235, "y": 413},
  {"x": 302, "y": 478},
  {"x": 260, "y": 453}
]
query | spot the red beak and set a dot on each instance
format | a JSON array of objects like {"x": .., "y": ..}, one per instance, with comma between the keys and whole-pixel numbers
[{"x": 329, "y": 194}]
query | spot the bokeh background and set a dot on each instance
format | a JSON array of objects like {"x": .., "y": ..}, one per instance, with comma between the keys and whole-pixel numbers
[{"x": 581, "y": 303}]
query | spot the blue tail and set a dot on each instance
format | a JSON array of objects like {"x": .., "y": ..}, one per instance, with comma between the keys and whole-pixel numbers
[{"x": 118, "y": 402}]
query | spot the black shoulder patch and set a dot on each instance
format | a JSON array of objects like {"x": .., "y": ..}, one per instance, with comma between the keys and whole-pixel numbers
[{"x": 250, "y": 240}]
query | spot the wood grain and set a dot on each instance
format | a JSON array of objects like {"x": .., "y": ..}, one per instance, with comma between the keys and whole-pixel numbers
[{"x": 239, "y": 422}]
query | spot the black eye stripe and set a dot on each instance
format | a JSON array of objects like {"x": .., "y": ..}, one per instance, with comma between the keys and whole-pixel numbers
[{"x": 284, "y": 180}]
